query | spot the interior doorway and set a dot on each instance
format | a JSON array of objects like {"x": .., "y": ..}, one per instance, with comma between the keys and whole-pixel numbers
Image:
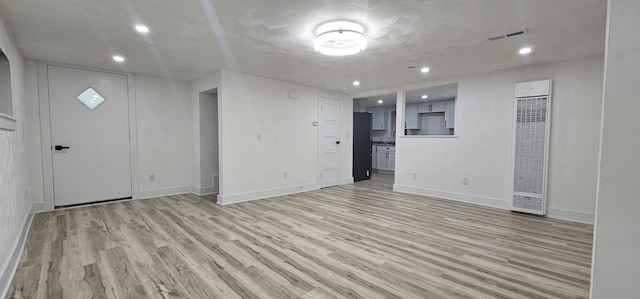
[
  {"x": 209, "y": 155},
  {"x": 374, "y": 148}
]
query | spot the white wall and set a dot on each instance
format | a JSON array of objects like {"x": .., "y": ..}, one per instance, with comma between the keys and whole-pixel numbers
[
  {"x": 482, "y": 150},
  {"x": 209, "y": 169},
  {"x": 34, "y": 143},
  {"x": 252, "y": 168},
  {"x": 616, "y": 263},
  {"x": 14, "y": 203},
  {"x": 165, "y": 135}
]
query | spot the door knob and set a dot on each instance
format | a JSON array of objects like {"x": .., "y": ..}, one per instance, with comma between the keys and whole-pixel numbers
[
  {"x": 60, "y": 147},
  {"x": 338, "y": 142}
]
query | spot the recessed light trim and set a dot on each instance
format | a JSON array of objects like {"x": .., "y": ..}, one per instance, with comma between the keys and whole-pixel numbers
[
  {"x": 340, "y": 38},
  {"x": 424, "y": 96},
  {"x": 142, "y": 28},
  {"x": 118, "y": 58},
  {"x": 525, "y": 51},
  {"x": 424, "y": 70},
  {"x": 356, "y": 83}
]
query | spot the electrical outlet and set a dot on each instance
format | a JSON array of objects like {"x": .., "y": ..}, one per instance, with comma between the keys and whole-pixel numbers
[
  {"x": 259, "y": 136},
  {"x": 152, "y": 178},
  {"x": 415, "y": 176},
  {"x": 465, "y": 181},
  {"x": 285, "y": 174}
]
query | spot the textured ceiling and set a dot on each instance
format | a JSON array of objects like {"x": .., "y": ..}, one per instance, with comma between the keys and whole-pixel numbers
[{"x": 274, "y": 38}]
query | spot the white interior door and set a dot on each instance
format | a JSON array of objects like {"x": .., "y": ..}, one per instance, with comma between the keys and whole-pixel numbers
[
  {"x": 329, "y": 140},
  {"x": 89, "y": 115}
]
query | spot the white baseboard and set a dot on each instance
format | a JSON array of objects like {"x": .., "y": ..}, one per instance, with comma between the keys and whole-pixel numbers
[
  {"x": 570, "y": 215},
  {"x": 202, "y": 191},
  {"x": 562, "y": 214},
  {"x": 39, "y": 207},
  {"x": 261, "y": 194},
  {"x": 346, "y": 181},
  {"x": 142, "y": 194},
  {"x": 461, "y": 197},
  {"x": 10, "y": 269}
]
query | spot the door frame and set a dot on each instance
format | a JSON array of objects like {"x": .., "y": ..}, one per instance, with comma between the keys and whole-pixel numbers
[
  {"x": 319, "y": 139},
  {"x": 45, "y": 130}
]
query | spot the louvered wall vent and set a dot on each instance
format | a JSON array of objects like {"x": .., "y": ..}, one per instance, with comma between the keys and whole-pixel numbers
[
  {"x": 531, "y": 146},
  {"x": 510, "y": 34}
]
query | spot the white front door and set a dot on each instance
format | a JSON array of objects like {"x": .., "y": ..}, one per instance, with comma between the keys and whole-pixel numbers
[
  {"x": 329, "y": 129},
  {"x": 89, "y": 115}
]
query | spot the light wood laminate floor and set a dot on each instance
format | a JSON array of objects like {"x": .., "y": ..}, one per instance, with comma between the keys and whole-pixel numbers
[{"x": 344, "y": 242}]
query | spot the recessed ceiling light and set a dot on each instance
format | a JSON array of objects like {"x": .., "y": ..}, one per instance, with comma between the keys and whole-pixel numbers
[
  {"x": 118, "y": 58},
  {"x": 524, "y": 51},
  {"x": 340, "y": 38},
  {"x": 344, "y": 87},
  {"x": 356, "y": 83},
  {"x": 380, "y": 101},
  {"x": 142, "y": 28},
  {"x": 424, "y": 96},
  {"x": 424, "y": 70}
]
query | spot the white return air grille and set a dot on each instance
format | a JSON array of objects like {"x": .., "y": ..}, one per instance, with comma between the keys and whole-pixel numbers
[{"x": 531, "y": 146}]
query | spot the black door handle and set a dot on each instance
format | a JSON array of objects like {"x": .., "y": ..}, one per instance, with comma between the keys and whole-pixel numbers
[
  {"x": 338, "y": 142},
  {"x": 60, "y": 147}
]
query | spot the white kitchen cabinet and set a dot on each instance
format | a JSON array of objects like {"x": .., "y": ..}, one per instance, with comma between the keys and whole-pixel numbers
[
  {"x": 411, "y": 117},
  {"x": 386, "y": 156},
  {"x": 435, "y": 106},
  {"x": 392, "y": 161},
  {"x": 379, "y": 118},
  {"x": 450, "y": 114},
  {"x": 374, "y": 157}
]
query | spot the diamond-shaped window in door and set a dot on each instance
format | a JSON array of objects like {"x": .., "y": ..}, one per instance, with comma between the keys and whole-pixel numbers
[{"x": 90, "y": 98}]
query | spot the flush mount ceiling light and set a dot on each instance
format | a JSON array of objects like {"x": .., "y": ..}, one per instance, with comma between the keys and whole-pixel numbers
[
  {"x": 524, "y": 51},
  {"x": 356, "y": 83},
  {"x": 142, "y": 28},
  {"x": 340, "y": 38},
  {"x": 118, "y": 58},
  {"x": 424, "y": 96},
  {"x": 424, "y": 70},
  {"x": 380, "y": 101}
]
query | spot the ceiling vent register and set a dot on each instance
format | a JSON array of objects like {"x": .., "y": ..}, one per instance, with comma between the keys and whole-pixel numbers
[{"x": 508, "y": 35}]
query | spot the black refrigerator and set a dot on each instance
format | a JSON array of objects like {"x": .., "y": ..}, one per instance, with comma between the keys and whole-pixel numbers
[{"x": 361, "y": 146}]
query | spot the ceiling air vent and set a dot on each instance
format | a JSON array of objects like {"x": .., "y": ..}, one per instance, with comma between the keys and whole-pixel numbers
[{"x": 507, "y": 35}]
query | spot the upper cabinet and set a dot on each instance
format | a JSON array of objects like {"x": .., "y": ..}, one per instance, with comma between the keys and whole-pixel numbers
[
  {"x": 379, "y": 119},
  {"x": 411, "y": 117},
  {"x": 450, "y": 114},
  {"x": 435, "y": 106}
]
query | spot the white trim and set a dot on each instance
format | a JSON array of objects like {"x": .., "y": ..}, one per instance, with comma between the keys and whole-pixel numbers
[
  {"x": 7, "y": 122},
  {"x": 153, "y": 193},
  {"x": 267, "y": 193},
  {"x": 571, "y": 215},
  {"x": 346, "y": 181},
  {"x": 45, "y": 130},
  {"x": 461, "y": 197},
  {"x": 202, "y": 191},
  {"x": 504, "y": 204},
  {"x": 595, "y": 249},
  {"x": 12, "y": 264}
]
